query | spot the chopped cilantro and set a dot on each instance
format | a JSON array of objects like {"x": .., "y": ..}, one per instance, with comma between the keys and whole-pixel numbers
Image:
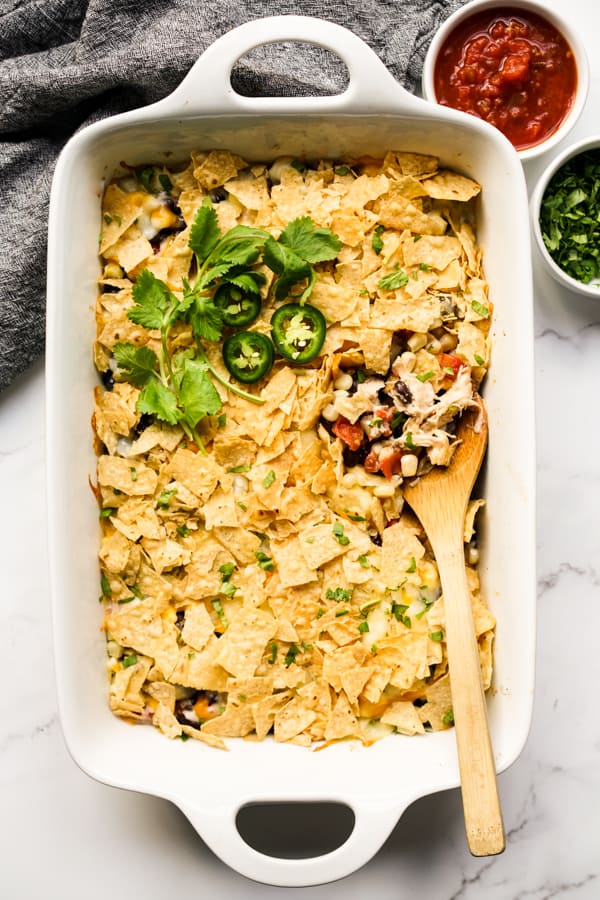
[
  {"x": 320, "y": 612},
  {"x": 183, "y": 530},
  {"x": 412, "y": 567},
  {"x": 342, "y": 170},
  {"x": 376, "y": 241},
  {"x": 396, "y": 279},
  {"x": 480, "y": 309},
  {"x": 369, "y": 604},
  {"x": 448, "y": 719},
  {"x": 165, "y": 497},
  {"x": 218, "y": 608},
  {"x": 364, "y": 562},
  {"x": 408, "y": 441},
  {"x": 133, "y": 473},
  {"x": 354, "y": 517},
  {"x": 105, "y": 585},
  {"x": 269, "y": 479},
  {"x": 570, "y": 216},
  {"x": 222, "y": 420},
  {"x": 264, "y": 562},
  {"x": 291, "y": 655},
  {"x": 107, "y": 218},
  {"x": 339, "y": 594},
  {"x": 228, "y": 588},
  {"x": 227, "y": 570},
  {"x": 273, "y": 656},
  {"x": 398, "y": 610},
  {"x": 338, "y": 533}
]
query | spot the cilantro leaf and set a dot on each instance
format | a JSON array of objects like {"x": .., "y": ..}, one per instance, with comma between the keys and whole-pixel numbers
[
  {"x": 152, "y": 300},
  {"x": 139, "y": 364},
  {"x": 309, "y": 242},
  {"x": 145, "y": 176},
  {"x": 205, "y": 233},
  {"x": 249, "y": 282},
  {"x": 157, "y": 400},
  {"x": 393, "y": 281},
  {"x": 197, "y": 394},
  {"x": 206, "y": 319},
  {"x": 287, "y": 265},
  {"x": 376, "y": 239}
]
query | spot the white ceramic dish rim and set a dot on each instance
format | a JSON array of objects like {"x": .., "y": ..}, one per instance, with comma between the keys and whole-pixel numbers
[
  {"x": 537, "y": 196},
  {"x": 140, "y": 758},
  {"x": 571, "y": 35}
]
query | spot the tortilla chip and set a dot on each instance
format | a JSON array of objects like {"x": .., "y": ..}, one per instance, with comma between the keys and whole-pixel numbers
[
  {"x": 243, "y": 643},
  {"x": 218, "y": 167},
  {"x": 197, "y": 626},
  {"x": 342, "y": 721},
  {"x": 401, "y": 549},
  {"x": 292, "y": 719},
  {"x": 404, "y": 717},
  {"x": 448, "y": 185},
  {"x": 291, "y": 563}
]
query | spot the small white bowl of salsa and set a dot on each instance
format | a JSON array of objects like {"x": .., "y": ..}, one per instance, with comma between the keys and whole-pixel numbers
[{"x": 517, "y": 65}]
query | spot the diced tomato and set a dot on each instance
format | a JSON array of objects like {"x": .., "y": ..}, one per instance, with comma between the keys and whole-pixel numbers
[
  {"x": 391, "y": 463},
  {"x": 371, "y": 463},
  {"x": 351, "y": 435},
  {"x": 516, "y": 66},
  {"x": 449, "y": 361}
]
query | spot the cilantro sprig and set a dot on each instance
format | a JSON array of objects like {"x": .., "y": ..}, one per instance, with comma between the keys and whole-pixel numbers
[
  {"x": 293, "y": 255},
  {"x": 178, "y": 388}
]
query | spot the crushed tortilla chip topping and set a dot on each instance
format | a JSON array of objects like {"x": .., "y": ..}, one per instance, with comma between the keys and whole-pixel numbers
[{"x": 277, "y": 585}]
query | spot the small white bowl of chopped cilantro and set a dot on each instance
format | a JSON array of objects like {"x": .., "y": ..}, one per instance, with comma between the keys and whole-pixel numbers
[{"x": 565, "y": 211}]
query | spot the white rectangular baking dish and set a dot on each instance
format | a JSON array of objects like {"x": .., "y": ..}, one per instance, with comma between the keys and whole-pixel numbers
[{"x": 373, "y": 115}]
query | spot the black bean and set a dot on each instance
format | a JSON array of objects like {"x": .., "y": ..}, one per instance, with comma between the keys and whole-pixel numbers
[
  {"x": 403, "y": 391},
  {"x": 108, "y": 379},
  {"x": 384, "y": 398},
  {"x": 355, "y": 457},
  {"x": 218, "y": 195}
]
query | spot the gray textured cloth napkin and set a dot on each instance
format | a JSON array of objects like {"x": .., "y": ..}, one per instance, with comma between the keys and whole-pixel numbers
[{"x": 65, "y": 63}]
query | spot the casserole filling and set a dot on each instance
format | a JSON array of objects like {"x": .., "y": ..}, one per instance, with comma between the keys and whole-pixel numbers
[{"x": 279, "y": 348}]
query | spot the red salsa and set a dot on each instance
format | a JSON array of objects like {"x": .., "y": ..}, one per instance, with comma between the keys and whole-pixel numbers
[{"x": 511, "y": 68}]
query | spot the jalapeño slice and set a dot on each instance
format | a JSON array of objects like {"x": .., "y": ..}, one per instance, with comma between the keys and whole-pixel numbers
[
  {"x": 298, "y": 331},
  {"x": 238, "y": 307},
  {"x": 248, "y": 355}
]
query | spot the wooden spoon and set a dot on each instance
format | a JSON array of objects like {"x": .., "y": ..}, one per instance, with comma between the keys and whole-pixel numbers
[{"x": 439, "y": 499}]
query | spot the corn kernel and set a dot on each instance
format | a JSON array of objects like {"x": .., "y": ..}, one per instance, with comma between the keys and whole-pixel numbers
[{"x": 408, "y": 465}]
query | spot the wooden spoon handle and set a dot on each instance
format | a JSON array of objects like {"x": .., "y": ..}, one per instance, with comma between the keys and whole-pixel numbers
[{"x": 483, "y": 816}]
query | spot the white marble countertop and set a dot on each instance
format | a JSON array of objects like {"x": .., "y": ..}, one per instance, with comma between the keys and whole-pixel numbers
[{"x": 66, "y": 837}]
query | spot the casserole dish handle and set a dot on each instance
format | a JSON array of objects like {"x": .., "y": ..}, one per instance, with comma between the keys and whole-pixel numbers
[
  {"x": 373, "y": 823},
  {"x": 207, "y": 86}
]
